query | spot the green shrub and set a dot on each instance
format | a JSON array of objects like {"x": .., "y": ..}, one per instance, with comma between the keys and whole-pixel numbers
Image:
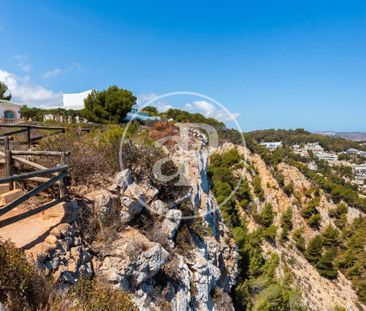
[
  {"x": 286, "y": 224},
  {"x": 89, "y": 295},
  {"x": 298, "y": 237},
  {"x": 314, "y": 250},
  {"x": 330, "y": 236},
  {"x": 258, "y": 190},
  {"x": 266, "y": 216},
  {"x": 314, "y": 221},
  {"x": 22, "y": 287},
  {"x": 325, "y": 266}
]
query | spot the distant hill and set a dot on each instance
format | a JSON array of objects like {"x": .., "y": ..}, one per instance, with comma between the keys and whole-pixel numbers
[{"x": 353, "y": 136}]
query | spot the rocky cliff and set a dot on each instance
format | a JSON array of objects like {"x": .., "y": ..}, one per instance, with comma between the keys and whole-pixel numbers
[{"x": 170, "y": 254}]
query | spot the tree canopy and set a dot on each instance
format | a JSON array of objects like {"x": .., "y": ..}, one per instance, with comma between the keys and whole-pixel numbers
[
  {"x": 4, "y": 94},
  {"x": 108, "y": 106}
]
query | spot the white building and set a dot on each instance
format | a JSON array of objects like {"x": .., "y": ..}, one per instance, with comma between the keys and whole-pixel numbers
[
  {"x": 9, "y": 111},
  {"x": 353, "y": 151},
  {"x": 75, "y": 101},
  {"x": 326, "y": 156},
  {"x": 314, "y": 147},
  {"x": 271, "y": 145},
  {"x": 360, "y": 170}
]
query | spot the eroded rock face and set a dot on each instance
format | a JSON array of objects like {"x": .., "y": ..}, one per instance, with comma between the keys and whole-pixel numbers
[
  {"x": 158, "y": 257},
  {"x": 132, "y": 259}
]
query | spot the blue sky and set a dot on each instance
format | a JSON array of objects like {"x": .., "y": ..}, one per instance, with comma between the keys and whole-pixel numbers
[{"x": 275, "y": 64}]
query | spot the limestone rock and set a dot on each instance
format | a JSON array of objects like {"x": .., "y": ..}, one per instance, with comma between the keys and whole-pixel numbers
[
  {"x": 158, "y": 207},
  {"x": 122, "y": 180},
  {"x": 171, "y": 222},
  {"x": 133, "y": 259},
  {"x": 103, "y": 202},
  {"x": 132, "y": 207}
]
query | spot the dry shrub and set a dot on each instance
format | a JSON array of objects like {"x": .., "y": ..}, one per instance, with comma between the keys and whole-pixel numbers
[
  {"x": 140, "y": 158},
  {"x": 89, "y": 295},
  {"x": 163, "y": 129},
  {"x": 22, "y": 287},
  {"x": 93, "y": 157}
]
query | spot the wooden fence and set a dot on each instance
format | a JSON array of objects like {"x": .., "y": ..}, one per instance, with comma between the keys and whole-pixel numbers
[
  {"x": 58, "y": 173},
  {"x": 27, "y": 129}
]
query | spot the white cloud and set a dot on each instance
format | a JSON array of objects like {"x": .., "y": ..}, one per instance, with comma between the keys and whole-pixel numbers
[
  {"x": 28, "y": 93},
  {"x": 75, "y": 67},
  {"x": 161, "y": 105},
  {"x": 23, "y": 63},
  {"x": 52, "y": 73},
  {"x": 210, "y": 110}
]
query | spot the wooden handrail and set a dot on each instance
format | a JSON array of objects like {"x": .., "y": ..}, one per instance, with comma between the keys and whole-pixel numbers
[
  {"x": 41, "y": 153},
  {"x": 31, "y": 193},
  {"x": 39, "y": 173}
]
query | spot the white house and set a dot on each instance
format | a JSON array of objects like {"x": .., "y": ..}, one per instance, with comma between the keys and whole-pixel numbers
[
  {"x": 326, "y": 156},
  {"x": 272, "y": 145},
  {"x": 9, "y": 111},
  {"x": 75, "y": 101}
]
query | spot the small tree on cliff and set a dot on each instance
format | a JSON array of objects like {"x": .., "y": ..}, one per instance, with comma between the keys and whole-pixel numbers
[
  {"x": 4, "y": 91},
  {"x": 108, "y": 106}
]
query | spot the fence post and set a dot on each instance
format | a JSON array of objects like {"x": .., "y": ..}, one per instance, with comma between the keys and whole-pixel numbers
[
  {"x": 62, "y": 183},
  {"x": 29, "y": 139},
  {"x": 8, "y": 160}
]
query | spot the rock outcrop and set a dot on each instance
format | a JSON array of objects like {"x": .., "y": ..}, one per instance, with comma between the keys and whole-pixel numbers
[{"x": 164, "y": 257}]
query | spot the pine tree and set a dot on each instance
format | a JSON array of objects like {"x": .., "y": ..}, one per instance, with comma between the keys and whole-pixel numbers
[
  {"x": 330, "y": 236},
  {"x": 265, "y": 218},
  {"x": 326, "y": 267},
  {"x": 314, "y": 251}
]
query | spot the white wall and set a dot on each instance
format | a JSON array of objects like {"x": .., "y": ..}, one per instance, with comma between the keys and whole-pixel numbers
[{"x": 14, "y": 109}]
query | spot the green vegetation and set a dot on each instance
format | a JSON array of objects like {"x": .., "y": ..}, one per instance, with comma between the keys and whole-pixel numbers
[
  {"x": 300, "y": 136},
  {"x": 314, "y": 250},
  {"x": 352, "y": 255},
  {"x": 325, "y": 266},
  {"x": 152, "y": 111},
  {"x": 311, "y": 213},
  {"x": 4, "y": 94},
  {"x": 57, "y": 114},
  {"x": 265, "y": 217},
  {"x": 108, "y": 106},
  {"x": 21, "y": 286},
  {"x": 286, "y": 224},
  {"x": 298, "y": 236},
  {"x": 340, "y": 215},
  {"x": 257, "y": 286},
  {"x": 258, "y": 190}
]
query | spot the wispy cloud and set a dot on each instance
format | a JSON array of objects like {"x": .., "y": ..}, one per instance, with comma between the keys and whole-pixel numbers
[
  {"x": 161, "y": 105},
  {"x": 210, "y": 110},
  {"x": 52, "y": 73},
  {"x": 28, "y": 93},
  {"x": 75, "y": 67},
  {"x": 23, "y": 63}
]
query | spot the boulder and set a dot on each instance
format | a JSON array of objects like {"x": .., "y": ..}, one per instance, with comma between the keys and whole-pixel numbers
[
  {"x": 132, "y": 259},
  {"x": 131, "y": 206},
  {"x": 103, "y": 201},
  {"x": 122, "y": 180},
  {"x": 171, "y": 222},
  {"x": 158, "y": 207}
]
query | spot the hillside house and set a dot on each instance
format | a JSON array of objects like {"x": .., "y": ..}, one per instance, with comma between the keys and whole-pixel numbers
[
  {"x": 326, "y": 156},
  {"x": 9, "y": 111},
  {"x": 272, "y": 145}
]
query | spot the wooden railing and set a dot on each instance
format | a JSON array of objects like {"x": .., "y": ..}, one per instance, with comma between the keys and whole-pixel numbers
[
  {"x": 27, "y": 129},
  {"x": 11, "y": 120},
  {"x": 58, "y": 174}
]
